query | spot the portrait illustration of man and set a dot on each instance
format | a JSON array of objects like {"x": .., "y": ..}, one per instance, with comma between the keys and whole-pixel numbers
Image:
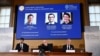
[
  {"x": 51, "y": 18},
  {"x": 66, "y": 18},
  {"x": 30, "y": 19}
]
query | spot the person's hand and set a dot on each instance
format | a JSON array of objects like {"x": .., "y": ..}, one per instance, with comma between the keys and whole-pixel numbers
[
  {"x": 47, "y": 51},
  {"x": 21, "y": 51}
]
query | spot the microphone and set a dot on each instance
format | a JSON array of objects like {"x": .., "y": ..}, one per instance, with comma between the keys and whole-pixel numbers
[{"x": 41, "y": 52}]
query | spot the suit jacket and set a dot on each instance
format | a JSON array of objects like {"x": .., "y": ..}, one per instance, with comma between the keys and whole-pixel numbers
[
  {"x": 29, "y": 24},
  {"x": 51, "y": 24},
  {"x": 67, "y": 48},
  {"x": 44, "y": 48},
  {"x": 67, "y": 23},
  {"x": 25, "y": 47}
]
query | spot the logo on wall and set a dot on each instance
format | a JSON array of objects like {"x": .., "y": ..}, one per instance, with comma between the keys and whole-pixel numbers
[
  {"x": 71, "y": 7},
  {"x": 21, "y": 8}
]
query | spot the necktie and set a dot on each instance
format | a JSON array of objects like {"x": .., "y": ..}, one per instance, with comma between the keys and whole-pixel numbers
[{"x": 69, "y": 47}]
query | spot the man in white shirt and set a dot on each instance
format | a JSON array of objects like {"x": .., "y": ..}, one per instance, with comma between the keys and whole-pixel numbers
[
  {"x": 68, "y": 45},
  {"x": 22, "y": 47},
  {"x": 51, "y": 19}
]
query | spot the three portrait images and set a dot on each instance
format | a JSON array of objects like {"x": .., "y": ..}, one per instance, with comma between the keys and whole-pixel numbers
[{"x": 50, "y": 18}]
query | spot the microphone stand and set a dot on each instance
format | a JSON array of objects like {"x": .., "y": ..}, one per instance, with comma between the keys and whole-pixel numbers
[{"x": 41, "y": 52}]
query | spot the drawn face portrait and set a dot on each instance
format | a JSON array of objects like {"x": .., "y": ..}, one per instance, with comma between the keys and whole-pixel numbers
[
  {"x": 66, "y": 18},
  {"x": 30, "y": 18},
  {"x": 51, "y": 17}
]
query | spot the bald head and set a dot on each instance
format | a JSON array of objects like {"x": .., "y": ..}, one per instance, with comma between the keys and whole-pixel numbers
[
  {"x": 68, "y": 41},
  {"x": 45, "y": 42}
]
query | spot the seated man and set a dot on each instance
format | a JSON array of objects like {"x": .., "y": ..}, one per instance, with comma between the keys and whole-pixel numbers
[
  {"x": 45, "y": 47},
  {"x": 22, "y": 47},
  {"x": 68, "y": 46}
]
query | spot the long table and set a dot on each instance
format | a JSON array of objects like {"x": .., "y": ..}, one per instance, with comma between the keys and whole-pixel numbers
[{"x": 45, "y": 54}]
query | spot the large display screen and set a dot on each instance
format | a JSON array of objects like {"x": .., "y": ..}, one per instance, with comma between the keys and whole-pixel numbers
[{"x": 48, "y": 21}]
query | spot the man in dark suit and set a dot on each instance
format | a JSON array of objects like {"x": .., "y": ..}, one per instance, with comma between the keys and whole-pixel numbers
[
  {"x": 22, "y": 47},
  {"x": 68, "y": 46},
  {"x": 51, "y": 19},
  {"x": 66, "y": 18},
  {"x": 45, "y": 47}
]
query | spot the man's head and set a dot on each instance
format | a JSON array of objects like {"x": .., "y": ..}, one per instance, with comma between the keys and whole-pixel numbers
[
  {"x": 30, "y": 18},
  {"x": 45, "y": 42},
  {"x": 68, "y": 41},
  {"x": 66, "y": 17},
  {"x": 51, "y": 17},
  {"x": 21, "y": 40}
]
